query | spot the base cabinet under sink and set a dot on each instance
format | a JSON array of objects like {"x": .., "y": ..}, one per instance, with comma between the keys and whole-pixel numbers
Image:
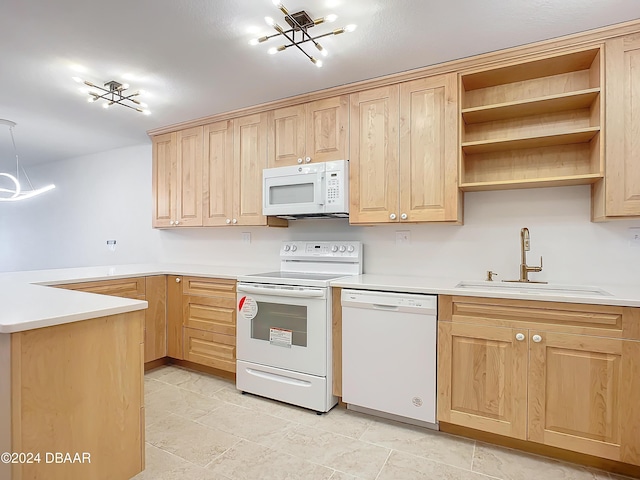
[{"x": 563, "y": 375}]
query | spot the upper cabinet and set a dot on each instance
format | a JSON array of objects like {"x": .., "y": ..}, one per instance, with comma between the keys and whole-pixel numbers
[
  {"x": 533, "y": 123},
  {"x": 234, "y": 157},
  {"x": 312, "y": 132},
  {"x": 403, "y": 149},
  {"x": 177, "y": 178},
  {"x": 618, "y": 195}
]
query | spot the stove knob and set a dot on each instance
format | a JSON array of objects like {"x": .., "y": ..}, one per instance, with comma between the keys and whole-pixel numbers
[
  {"x": 287, "y": 248},
  {"x": 342, "y": 248},
  {"x": 293, "y": 248},
  {"x": 351, "y": 248},
  {"x": 334, "y": 248}
]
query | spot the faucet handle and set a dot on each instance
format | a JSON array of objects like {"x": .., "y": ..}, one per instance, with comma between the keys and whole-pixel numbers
[{"x": 490, "y": 275}]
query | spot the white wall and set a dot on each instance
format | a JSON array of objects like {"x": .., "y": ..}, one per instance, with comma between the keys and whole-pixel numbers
[
  {"x": 97, "y": 197},
  {"x": 109, "y": 196}
]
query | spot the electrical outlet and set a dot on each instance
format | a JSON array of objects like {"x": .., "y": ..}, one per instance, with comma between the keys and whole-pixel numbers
[
  {"x": 634, "y": 237},
  {"x": 403, "y": 237},
  {"x": 246, "y": 237}
]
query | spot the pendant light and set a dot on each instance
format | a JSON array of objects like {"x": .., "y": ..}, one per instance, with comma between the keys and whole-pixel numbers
[{"x": 16, "y": 190}]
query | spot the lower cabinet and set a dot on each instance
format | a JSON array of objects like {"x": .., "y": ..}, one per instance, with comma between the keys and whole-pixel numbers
[
  {"x": 202, "y": 321},
  {"x": 562, "y": 375},
  {"x": 153, "y": 289}
]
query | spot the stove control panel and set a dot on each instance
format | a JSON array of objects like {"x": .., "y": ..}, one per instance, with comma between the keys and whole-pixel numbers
[{"x": 336, "y": 249}]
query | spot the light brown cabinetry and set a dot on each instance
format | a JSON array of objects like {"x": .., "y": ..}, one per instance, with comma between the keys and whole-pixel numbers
[
  {"x": 618, "y": 195},
  {"x": 403, "y": 153},
  {"x": 202, "y": 323},
  {"x": 153, "y": 290},
  {"x": 533, "y": 123},
  {"x": 312, "y": 132},
  {"x": 76, "y": 387},
  {"x": 557, "y": 374},
  {"x": 234, "y": 157},
  {"x": 177, "y": 178}
]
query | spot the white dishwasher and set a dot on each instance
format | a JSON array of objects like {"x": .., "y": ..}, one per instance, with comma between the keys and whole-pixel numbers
[{"x": 389, "y": 354}]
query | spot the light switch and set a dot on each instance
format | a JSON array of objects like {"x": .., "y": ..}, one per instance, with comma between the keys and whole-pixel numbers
[
  {"x": 634, "y": 237},
  {"x": 403, "y": 237},
  {"x": 246, "y": 237}
]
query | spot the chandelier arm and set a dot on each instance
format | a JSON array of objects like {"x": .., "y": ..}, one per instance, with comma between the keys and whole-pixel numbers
[{"x": 295, "y": 44}]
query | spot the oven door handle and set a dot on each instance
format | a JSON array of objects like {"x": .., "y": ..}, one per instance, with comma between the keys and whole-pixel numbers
[{"x": 276, "y": 292}]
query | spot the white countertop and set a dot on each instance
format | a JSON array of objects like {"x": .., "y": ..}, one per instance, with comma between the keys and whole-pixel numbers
[
  {"x": 613, "y": 294},
  {"x": 26, "y": 301}
]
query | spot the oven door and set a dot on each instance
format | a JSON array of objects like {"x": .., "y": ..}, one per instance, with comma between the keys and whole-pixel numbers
[
  {"x": 283, "y": 326},
  {"x": 288, "y": 192}
]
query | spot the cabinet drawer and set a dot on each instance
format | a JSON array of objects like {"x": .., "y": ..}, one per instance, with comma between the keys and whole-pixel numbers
[
  {"x": 210, "y": 314},
  {"x": 125, "y": 287},
  {"x": 209, "y": 287},
  {"x": 211, "y": 349},
  {"x": 582, "y": 319}
]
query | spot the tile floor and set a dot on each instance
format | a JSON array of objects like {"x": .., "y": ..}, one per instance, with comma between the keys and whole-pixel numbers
[{"x": 199, "y": 427}]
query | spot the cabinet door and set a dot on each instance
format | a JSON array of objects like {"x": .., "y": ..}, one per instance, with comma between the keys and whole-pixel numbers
[
  {"x": 623, "y": 126},
  {"x": 174, "y": 317},
  {"x": 164, "y": 179},
  {"x": 250, "y": 158},
  {"x": 155, "y": 323},
  {"x": 482, "y": 378},
  {"x": 428, "y": 150},
  {"x": 217, "y": 194},
  {"x": 189, "y": 178},
  {"x": 286, "y": 136},
  {"x": 580, "y": 394},
  {"x": 327, "y": 129},
  {"x": 374, "y": 156}
]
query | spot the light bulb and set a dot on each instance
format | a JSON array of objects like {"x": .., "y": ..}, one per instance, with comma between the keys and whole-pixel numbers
[
  {"x": 272, "y": 51},
  {"x": 270, "y": 21},
  {"x": 143, "y": 105},
  {"x": 316, "y": 62},
  {"x": 146, "y": 112},
  {"x": 253, "y": 41},
  {"x": 277, "y": 3},
  {"x": 91, "y": 99},
  {"x": 77, "y": 79},
  {"x": 141, "y": 92},
  {"x": 350, "y": 28},
  {"x": 323, "y": 51},
  {"x": 124, "y": 86},
  {"x": 105, "y": 105},
  {"x": 330, "y": 18}
]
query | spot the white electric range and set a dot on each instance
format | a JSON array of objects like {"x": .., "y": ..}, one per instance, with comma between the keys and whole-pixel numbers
[{"x": 284, "y": 323}]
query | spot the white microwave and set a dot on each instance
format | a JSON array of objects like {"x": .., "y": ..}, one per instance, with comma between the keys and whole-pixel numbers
[{"x": 303, "y": 191}]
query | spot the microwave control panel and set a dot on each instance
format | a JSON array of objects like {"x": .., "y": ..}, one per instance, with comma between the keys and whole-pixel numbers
[{"x": 334, "y": 187}]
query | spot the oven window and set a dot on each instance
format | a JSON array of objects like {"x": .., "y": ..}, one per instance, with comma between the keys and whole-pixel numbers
[
  {"x": 276, "y": 315},
  {"x": 291, "y": 194}
]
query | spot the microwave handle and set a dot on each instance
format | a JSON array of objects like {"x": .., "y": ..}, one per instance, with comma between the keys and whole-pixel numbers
[{"x": 320, "y": 188}]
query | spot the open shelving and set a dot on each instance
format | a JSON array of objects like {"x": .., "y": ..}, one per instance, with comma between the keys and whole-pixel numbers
[{"x": 532, "y": 123}]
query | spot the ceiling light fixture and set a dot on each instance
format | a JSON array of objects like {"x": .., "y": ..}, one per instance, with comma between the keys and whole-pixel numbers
[
  {"x": 114, "y": 94},
  {"x": 300, "y": 22},
  {"x": 15, "y": 192}
]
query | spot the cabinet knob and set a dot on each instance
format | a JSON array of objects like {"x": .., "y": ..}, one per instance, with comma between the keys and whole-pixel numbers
[
  {"x": 392, "y": 216},
  {"x": 299, "y": 160},
  {"x": 178, "y": 280},
  {"x": 176, "y": 222},
  {"x": 307, "y": 159},
  {"x": 403, "y": 216},
  {"x": 228, "y": 221},
  {"x": 235, "y": 221},
  {"x": 171, "y": 222},
  {"x": 520, "y": 336},
  {"x": 536, "y": 338}
]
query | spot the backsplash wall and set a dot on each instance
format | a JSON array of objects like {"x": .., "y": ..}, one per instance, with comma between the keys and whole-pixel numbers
[{"x": 109, "y": 195}]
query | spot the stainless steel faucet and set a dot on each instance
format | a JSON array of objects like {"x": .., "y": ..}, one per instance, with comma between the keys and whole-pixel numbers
[{"x": 525, "y": 246}]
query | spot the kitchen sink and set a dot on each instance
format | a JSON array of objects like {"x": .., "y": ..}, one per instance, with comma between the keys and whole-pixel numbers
[{"x": 534, "y": 288}]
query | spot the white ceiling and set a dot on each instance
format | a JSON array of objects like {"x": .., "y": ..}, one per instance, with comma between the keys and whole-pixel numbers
[{"x": 194, "y": 58}]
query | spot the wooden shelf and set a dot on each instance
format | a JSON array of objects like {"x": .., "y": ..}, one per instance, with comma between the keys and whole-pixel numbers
[
  {"x": 582, "y": 135},
  {"x": 532, "y": 182},
  {"x": 534, "y": 106}
]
